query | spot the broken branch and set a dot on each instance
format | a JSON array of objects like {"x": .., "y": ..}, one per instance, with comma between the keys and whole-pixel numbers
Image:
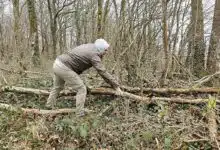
[
  {"x": 39, "y": 111},
  {"x": 105, "y": 91},
  {"x": 166, "y": 91}
]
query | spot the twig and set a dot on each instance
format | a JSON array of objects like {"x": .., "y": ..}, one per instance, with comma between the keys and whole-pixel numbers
[
  {"x": 158, "y": 144},
  {"x": 196, "y": 140},
  {"x": 105, "y": 110},
  {"x": 4, "y": 79},
  {"x": 217, "y": 143}
]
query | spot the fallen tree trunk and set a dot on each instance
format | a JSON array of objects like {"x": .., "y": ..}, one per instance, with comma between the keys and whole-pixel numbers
[
  {"x": 105, "y": 91},
  {"x": 212, "y": 126},
  {"x": 39, "y": 111},
  {"x": 166, "y": 91}
]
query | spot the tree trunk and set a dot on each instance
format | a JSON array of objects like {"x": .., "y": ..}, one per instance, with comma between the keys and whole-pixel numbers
[
  {"x": 165, "y": 44},
  {"x": 78, "y": 24},
  {"x": 198, "y": 44},
  {"x": 105, "y": 16},
  {"x": 60, "y": 34},
  {"x": 213, "y": 52},
  {"x": 33, "y": 32},
  {"x": 16, "y": 13},
  {"x": 43, "y": 31},
  {"x": 99, "y": 19},
  {"x": 53, "y": 25},
  {"x": 17, "y": 34}
]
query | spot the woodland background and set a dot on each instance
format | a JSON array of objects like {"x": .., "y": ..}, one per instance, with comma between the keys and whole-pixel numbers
[{"x": 153, "y": 44}]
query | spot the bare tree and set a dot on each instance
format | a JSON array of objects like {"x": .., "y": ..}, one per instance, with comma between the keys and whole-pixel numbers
[
  {"x": 213, "y": 52},
  {"x": 17, "y": 34},
  {"x": 53, "y": 24},
  {"x": 99, "y": 19},
  {"x": 196, "y": 54},
  {"x": 33, "y": 32},
  {"x": 165, "y": 43},
  {"x": 105, "y": 16}
]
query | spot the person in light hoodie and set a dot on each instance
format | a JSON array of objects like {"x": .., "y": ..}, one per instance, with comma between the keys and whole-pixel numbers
[{"x": 68, "y": 66}]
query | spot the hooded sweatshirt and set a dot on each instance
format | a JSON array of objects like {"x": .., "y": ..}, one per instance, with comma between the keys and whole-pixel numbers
[{"x": 86, "y": 56}]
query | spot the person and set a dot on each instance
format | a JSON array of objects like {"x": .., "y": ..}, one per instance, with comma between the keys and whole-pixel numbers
[{"x": 68, "y": 66}]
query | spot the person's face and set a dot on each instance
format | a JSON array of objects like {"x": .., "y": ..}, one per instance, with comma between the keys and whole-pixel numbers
[{"x": 104, "y": 52}]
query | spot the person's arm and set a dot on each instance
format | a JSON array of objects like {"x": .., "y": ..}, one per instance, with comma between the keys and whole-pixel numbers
[{"x": 96, "y": 62}]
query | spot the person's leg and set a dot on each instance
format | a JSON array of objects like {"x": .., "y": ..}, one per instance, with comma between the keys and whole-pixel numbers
[
  {"x": 80, "y": 96},
  {"x": 58, "y": 84},
  {"x": 76, "y": 82},
  {"x": 78, "y": 85}
]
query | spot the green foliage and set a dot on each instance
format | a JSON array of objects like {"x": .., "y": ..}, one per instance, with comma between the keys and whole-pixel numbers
[
  {"x": 12, "y": 128},
  {"x": 66, "y": 126},
  {"x": 83, "y": 130},
  {"x": 211, "y": 103},
  {"x": 95, "y": 123},
  {"x": 36, "y": 83},
  {"x": 143, "y": 138},
  {"x": 167, "y": 143},
  {"x": 163, "y": 111},
  {"x": 147, "y": 136},
  {"x": 199, "y": 145}
]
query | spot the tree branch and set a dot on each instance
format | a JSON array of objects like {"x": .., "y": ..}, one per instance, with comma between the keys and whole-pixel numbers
[
  {"x": 105, "y": 91},
  {"x": 39, "y": 111}
]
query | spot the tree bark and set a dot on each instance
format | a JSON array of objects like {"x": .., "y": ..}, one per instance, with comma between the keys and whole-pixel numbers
[
  {"x": 165, "y": 44},
  {"x": 78, "y": 24},
  {"x": 53, "y": 25},
  {"x": 43, "y": 30},
  {"x": 213, "y": 59},
  {"x": 33, "y": 35},
  {"x": 99, "y": 19},
  {"x": 198, "y": 44},
  {"x": 104, "y": 18}
]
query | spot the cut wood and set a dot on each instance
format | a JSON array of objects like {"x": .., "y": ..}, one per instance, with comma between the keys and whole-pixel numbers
[
  {"x": 105, "y": 91},
  {"x": 39, "y": 111}
]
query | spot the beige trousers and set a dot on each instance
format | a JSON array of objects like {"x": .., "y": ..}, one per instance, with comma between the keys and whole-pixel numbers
[{"x": 64, "y": 74}]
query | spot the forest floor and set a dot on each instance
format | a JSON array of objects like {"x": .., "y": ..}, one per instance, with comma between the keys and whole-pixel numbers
[{"x": 115, "y": 123}]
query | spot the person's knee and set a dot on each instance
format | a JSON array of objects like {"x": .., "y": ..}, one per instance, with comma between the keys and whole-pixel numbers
[
  {"x": 58, "y": 88},
  {"x": 82, "y": 89}
]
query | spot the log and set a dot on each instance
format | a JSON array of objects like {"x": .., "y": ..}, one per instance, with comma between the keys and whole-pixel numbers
[
  {"x": 166, "y": 91},
  {"x": 105, "y": 91},
  {"x": 212, "y": 126},
  {"x": 39, "y": 111}
]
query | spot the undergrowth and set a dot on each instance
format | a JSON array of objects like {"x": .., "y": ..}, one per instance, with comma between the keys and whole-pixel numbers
[{"x": 125, "y": 125}]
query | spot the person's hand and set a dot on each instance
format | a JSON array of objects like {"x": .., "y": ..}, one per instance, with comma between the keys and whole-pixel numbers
[
  {"x": 118, "y": 91},
  {"x": 88, "y": 88}
]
